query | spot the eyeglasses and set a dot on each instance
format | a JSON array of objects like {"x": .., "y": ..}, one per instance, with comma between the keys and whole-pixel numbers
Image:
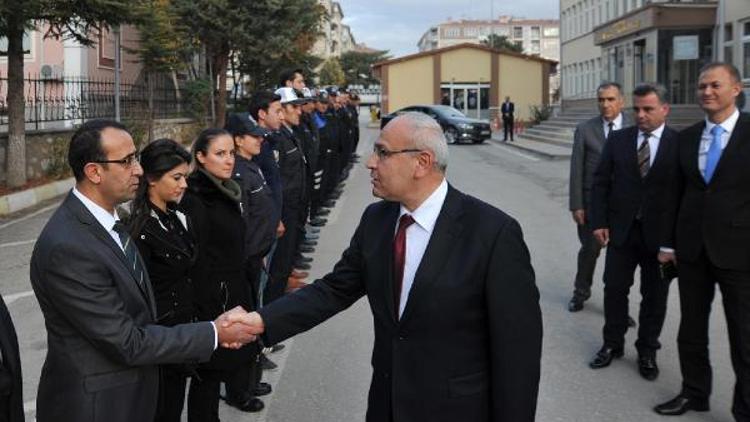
[
  {"x": 383, "y": 153},
  {"x": 126, "y": 162}
]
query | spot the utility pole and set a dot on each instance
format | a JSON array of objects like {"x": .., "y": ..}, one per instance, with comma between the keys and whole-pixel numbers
[
  {"x": 117, "y": 72},
  {"x": 721, "y": 23}
]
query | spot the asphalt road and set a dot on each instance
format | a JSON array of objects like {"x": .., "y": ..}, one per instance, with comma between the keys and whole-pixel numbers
[{"x": 323, "y": 374}]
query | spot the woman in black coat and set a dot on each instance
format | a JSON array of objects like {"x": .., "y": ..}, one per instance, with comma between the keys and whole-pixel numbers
[
  {"x": 213, "y": 201},
  {"x": 162, "y": 234}
]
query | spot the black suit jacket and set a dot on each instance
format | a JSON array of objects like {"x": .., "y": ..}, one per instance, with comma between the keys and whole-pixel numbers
[
  {"x": 714, "y": 217},
  {"x": 507, "y": 109},
  {"x": 103, "y": 347},
  {"x": 619, "y": 193},
  {"x": 468, "y": 345},
  {"x": 11, "y": 388}
]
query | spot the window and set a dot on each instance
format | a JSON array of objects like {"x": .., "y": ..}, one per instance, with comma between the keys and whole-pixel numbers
[
  {"x": 728, "y": 32},
  {"x": 551, "y": 32},
  {"x": 517, "y": 32},
  {"x": 535, "y": 47},
  {"x": 26, "y": 43},
  {"x": 746, "y": 30},
  {"x": 746, "y": 50},
  {"x": 452, "y": 32},
  {"x": 471, "y": 31},
  {"x": 536, "y": 32}
]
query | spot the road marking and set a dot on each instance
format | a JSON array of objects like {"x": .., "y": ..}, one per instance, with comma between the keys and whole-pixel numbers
[
  {"x": 19, "y": 243},
  {"x": 28, "y": 216},
  {"x": 514, "y": 152},
  {"x": 15, "y": 296}
]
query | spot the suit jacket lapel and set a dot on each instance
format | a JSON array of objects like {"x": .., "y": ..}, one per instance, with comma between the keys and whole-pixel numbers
[
  {"x": 85, "y": 217},
  {"x": 384, "y": 256},
  {"x": 735, "y": 141},
  {"x": 447, "y": 229},
  {"x": 665, "y": 143}
]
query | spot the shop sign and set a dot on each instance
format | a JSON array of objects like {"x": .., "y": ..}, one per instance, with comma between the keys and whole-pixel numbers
[{"x": 685, "y": 47}]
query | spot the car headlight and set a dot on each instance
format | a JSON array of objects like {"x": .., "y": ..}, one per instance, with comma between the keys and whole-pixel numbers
[{"x": 466, "y": 126}]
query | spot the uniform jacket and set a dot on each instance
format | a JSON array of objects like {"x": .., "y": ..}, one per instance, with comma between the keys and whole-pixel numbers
[
  {"x": 103, "y": 346},
  {"x": 257, "y": 207},
  {"x": 713, "y": 217},
  {"x": 11, "y": 382},
  {"x": 268, "y": 161},
  {"x": 293, "y": 167},
  {"x": 468, "y": 345}
]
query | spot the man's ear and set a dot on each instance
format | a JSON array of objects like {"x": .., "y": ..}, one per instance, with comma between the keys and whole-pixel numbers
[
  {"x": 93, "y": 173},
  {"x": 426, "y": 161}
]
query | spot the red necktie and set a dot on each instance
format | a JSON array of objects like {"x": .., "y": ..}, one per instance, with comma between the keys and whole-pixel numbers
[{"x": 399, "y": 257}]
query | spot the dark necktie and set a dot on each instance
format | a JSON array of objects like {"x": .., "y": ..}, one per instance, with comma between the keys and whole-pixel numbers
[
  {"x": 399, "y": 257},
  {"x": 131, "y": 253},
  {"x": 644, "y": 156},
  {"x": 611, "y": 126}
]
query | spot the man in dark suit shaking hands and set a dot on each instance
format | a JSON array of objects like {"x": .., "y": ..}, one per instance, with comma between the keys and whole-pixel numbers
[
  {"x": 707, "y": 233},
  {"x": 633, "y": 176},
  {"x": 103, "y": 345},
  {"x": 458, "y": 327},
  {"x": 11, "y": 400}
]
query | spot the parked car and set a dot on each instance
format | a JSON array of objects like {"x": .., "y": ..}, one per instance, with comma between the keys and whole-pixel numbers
[{"x": 456, "y": 126}]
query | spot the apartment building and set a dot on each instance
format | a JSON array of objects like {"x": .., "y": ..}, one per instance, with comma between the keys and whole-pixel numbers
[{"x": 336, "y": 38}]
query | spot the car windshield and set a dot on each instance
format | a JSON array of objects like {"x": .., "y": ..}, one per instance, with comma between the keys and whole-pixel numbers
[{"x": 448, "y": 111}]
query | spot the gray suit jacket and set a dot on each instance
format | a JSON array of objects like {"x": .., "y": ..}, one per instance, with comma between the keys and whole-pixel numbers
[
  {"x": 588, "y": 142},
  {"x": 102, "y": 345}
]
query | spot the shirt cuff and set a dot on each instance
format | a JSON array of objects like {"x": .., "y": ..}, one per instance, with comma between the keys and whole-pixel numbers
[
  {"x": 666, "y": 250},
  {"x": 216, "y": 335}
]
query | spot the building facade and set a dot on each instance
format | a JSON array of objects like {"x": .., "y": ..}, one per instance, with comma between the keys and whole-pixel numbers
[
  {"x": 635, "y": 41},
  {"x": 336, "y": 38},
  {"x": 537, "y": 37}
]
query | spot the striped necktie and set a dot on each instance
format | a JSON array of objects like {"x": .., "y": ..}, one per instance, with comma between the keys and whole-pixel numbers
[
  {"x": 644, "y": 156},
  {"x": 131, "y": 253}
]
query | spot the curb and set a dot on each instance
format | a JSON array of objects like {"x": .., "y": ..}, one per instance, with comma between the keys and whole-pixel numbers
[
  {"x": 18, "y": 201},
  {"x": 540, "y": 154}
]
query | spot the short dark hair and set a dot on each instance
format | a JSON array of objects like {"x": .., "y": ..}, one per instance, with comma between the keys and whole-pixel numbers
[
  {"x": 261, "y": 100},
  {"x": 288, "y": 75},
  {"x": 732, "y": 69},
  {"x": 609, "y": 84},
  {"x": 652, "y": 88},
  {"x": 205, "y": 138},
  {"x": 86, "y": 145}
]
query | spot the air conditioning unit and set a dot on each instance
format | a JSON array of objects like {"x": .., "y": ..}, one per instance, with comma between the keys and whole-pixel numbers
[{"x": 51, "y": 72}]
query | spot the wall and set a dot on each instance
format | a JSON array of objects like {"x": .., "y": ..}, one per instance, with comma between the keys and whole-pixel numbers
[
  {"x": 409, "y": 83},
  {"x": 455, "y": 66},
  {"x": 46, "y": 150},
  {"x": 521, "y": 79}
]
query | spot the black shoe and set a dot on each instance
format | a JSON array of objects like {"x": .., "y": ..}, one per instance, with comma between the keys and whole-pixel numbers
[
  {"x": 648, "y": 368},
  {"x": 262, "y": 389},
  {"x": 321, "y": 212},
  {"x": 277, "y": 347},
  {"x": 311, "y": 236},
  {"x": 306, "y": 249},
  {"x": 575, "y": 304},
  {"x": 631, "y": 322},
  {"x": 251, "y": 404},
  {"x": 680, "y": 405},
  {"x": 329, "y": 203},
  {"x": 302, "y": 258},
  {"x": 309, "y": 242},
  {"x": 302, "y": 265},
  {"x": 604, "y": 357},
  {"x": 318, "y": 222},
  {"x": 267, "y": 364}
]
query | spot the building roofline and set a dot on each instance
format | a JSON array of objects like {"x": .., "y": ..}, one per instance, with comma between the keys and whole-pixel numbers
[{"x": 458, "y": 47}]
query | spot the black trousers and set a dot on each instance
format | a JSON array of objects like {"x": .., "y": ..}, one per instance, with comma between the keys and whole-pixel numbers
[
  {"x": 203, "y": 398},
  {"x": 587, "y": 256},
  {"x": 507, "y": 127},
  {"x": 283, "y": 258},
  {"x": 4, "y": 408},
  {"x": 241, "y": 382},
  {"x": 171, "y": 394},
  {"x": 621, "y": 263},
  {"x": 697, "y": 280}
]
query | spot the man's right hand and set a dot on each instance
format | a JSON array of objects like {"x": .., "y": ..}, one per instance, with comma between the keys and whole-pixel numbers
[
  {"x": 602, "y": 236},
  {"x": 280, "y": 230},
  {"x": 251, "y": 321},
  {"x": 234, "y": 335},
  {"x": 579, "y": 216}
]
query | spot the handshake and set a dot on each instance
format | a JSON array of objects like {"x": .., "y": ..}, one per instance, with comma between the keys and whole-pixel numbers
[{"x": 237, "y": 327}]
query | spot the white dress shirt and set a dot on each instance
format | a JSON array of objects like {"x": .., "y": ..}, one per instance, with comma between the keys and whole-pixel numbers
[
  {"x": 108, "y": 221},
  {"x": 706, "y": 138},
  {"x": 617, "y": 124},
  {"x": 418, "y": 236},
  {"x": 653, "y": 142}
]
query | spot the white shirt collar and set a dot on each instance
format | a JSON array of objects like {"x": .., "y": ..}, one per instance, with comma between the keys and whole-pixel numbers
[
  {"x": 727, "y": 124},
  {"x": 427, "y": 213},
  {"x": 655, "y": 134},
  {"x": 617, "y": 121},
  {"x": 101, "y": 215}
]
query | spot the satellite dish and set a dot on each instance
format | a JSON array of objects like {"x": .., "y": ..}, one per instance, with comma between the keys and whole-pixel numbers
[{"x": 46, "y": 71}]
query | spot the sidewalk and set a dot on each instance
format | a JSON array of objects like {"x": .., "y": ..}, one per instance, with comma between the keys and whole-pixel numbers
[{"x": 18, "y": 201}]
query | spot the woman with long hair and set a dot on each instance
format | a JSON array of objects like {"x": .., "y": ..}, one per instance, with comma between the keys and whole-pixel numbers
[
  {"x": 214, "y": 202},
  {"x": 163, "y": 236}
]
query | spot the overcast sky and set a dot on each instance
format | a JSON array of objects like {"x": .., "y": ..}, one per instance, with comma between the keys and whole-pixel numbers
[{"x": 397, "y": 25}]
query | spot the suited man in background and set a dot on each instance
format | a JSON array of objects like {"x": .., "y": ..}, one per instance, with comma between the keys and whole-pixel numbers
[
  {"x": 11, "y": 388},
  {"x": 634, "y": 175},
  {"x": 458, "y": 326},
  {"x": 707, "y": 234},
  {"x": 98, "y": 304},
  {"x": 507, "y": 110},
  {"x": 588, "y": 142}
]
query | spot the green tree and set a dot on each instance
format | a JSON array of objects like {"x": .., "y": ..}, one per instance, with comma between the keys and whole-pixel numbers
[
  {"x": 331, "y": 73},
  {"x": 501, "y": 42},
  {"x": 357, "y": 66},
  {"x": 77, "y": 19}
]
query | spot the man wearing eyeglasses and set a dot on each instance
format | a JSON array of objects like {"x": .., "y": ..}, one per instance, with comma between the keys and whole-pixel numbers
[
  {"x": 97, "y": 300},
  {"x": 458, "y": 327}
]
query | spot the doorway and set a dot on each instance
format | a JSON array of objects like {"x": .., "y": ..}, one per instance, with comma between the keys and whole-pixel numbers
[{"x": 471, "y": 99}]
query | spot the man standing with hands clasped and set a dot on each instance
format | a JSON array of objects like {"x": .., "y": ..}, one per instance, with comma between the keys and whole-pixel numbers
[
  {"x": 707, "y": 234},
  {"x": 97, "y": 300},
  {"x": 449, "y": 280},
  {"x": 633, "y": 176}
]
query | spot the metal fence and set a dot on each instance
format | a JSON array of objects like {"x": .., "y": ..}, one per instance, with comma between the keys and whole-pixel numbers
[{"x": 76, "y": 99}]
